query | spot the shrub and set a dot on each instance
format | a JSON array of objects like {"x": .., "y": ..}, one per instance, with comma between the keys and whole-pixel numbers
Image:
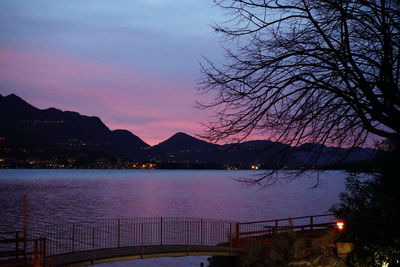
[
  {"x": 370, "y": 207},
  {"x": 287, "y": 247}
]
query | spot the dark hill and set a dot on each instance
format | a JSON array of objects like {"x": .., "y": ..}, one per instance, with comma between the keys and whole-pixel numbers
[
  {"x": 50, "y": 132},
  {"x": 184, "y": 149},
  {"x": 28, "y": 134},
  {"x": 182, "y": 141}
]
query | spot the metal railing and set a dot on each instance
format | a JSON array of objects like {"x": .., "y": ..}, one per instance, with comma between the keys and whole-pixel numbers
[
  {"x": 106, "y": 235},
  {"x": 127, "y": 232}
]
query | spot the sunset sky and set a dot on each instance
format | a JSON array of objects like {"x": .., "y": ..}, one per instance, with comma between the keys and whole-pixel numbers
[{"x": 133, "y": 63}]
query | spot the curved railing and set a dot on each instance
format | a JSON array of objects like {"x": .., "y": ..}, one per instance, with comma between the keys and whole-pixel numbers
[
  {"x": 90, "y": 241},
  {"x": 134, "y": 232}
]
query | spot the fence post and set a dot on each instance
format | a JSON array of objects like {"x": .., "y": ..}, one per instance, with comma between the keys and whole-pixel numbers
[
  {"x": 141, "y": 239},
  {"x": 187, "y": 237},
  {"x": 237, "y": 234},
  {"x": 25, "y": 246},
  {"x": 16, "y": 244},
  {"x": 312, "y": 222},
  {"x": 73, "y": 237},
  {"x": 201, "y": 231},
  {"x": 25, "y": 222},
  {"x": 44, "y": 250},
  {"x": 230, "y": 238},
  {"x": 276, "y": 227},
  {"x": 161, "y": 231},
  {"x": 93, "y": 245},
  {"x": 119, "y": 233},
  {"x": 35, "y": 252}
]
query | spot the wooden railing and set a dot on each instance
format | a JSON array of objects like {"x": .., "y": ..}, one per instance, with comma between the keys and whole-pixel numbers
[
  {"x": 15, "y": 245},
  {"x": 273, "y": 227}
]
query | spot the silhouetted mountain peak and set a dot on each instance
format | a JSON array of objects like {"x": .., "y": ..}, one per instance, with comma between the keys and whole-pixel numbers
[
  {"x": 181, "y": 141},
  {"x": 13, "y": 96},
  {"x": 51, "y": 133},
  {"x": 52, "y": 129},
  {"x": 181, "y": 135},
  {"x": 15, "y": 99},
  {"x": 14, "y": 103}
]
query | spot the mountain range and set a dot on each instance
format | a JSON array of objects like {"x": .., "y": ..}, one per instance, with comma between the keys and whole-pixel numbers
[{"x": 29, "y": 134}]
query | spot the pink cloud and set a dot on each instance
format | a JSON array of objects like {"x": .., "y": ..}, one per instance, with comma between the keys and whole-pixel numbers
[{"x": 151, "y": 106}]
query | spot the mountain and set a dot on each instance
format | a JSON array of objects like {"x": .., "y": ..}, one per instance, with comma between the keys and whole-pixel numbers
[
  {"x": 181, "y": 141},
  {"x": 29, "y": 134},
  {"x": 185, "y": 149},
  {"x": 259, "y": 152},
  {"x": 52, "y": 132},
  {"x": 310, "y": 154}
]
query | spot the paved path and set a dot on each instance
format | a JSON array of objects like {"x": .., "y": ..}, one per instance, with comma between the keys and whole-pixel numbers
[{"x": 125, "y": 253}]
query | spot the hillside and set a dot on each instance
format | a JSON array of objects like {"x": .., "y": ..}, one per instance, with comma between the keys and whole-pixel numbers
[
  {"x": 29, "y": 135},
  {"x": 52, "y": 132}
]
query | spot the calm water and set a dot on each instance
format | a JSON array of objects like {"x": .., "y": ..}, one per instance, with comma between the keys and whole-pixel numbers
[{"x": 58, "y": 196}]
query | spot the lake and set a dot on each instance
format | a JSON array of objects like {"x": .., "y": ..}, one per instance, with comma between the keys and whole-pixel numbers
[{"x": 59, "y": 196}]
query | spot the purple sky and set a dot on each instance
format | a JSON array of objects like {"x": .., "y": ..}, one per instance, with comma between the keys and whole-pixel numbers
[{"x": 133, "y": 63}]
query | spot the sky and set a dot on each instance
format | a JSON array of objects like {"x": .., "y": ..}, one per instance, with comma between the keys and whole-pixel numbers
[{"x": 133, "y": 63}]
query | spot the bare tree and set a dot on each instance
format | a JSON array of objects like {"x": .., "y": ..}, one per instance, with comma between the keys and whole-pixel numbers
[{"x": 321, "y": 71}]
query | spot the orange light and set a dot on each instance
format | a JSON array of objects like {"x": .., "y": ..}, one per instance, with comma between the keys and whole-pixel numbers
[{"x": 340, "y": 225}]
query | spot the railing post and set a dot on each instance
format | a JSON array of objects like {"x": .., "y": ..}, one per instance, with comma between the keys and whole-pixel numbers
[
  {"x": 93, "y": 245},
  {"x": 16, "y": 244},
  {"x": 230, "y": 238},
  {"x": 187, "y": 237},
  {"x": 141, "y": 240},
  {"x": 276, "y": 227},
  {"x": 312, "y": 222},
  {"x": 201, "y": 232},
  {"x": 35, "y": 252},
  {"x": 73, "y": 237},
  {"x": 25, "y": 222},
  {"x": 25, "y": 247},
  {"x": 161, "y": 231},
  {"x": 119, "y": 233},
  {"x": 237, "y": 234},
  {"x": 44, "y": 251}
]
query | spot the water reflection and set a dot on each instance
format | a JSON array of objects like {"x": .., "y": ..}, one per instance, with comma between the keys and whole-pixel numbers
[{"x": 59, "y": 196}]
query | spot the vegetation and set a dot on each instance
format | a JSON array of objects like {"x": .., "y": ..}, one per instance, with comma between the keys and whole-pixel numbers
[
  {"x": 370, "y": 207},
  {"x": 287, "y": 247},
  {"x": 326, "y": 72},
  {"x": 304, "y": 71}
]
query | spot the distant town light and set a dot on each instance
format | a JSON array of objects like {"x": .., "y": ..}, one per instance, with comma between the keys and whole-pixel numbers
[{"x": 340, "y": 225}]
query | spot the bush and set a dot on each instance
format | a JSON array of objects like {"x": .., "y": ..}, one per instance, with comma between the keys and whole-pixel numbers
[
  {"x": 287, "y": 247},
  {"x": 370, "y": 208}
]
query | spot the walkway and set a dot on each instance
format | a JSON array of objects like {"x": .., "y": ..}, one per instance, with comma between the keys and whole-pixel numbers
[{"x": 128, "y": 253}]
